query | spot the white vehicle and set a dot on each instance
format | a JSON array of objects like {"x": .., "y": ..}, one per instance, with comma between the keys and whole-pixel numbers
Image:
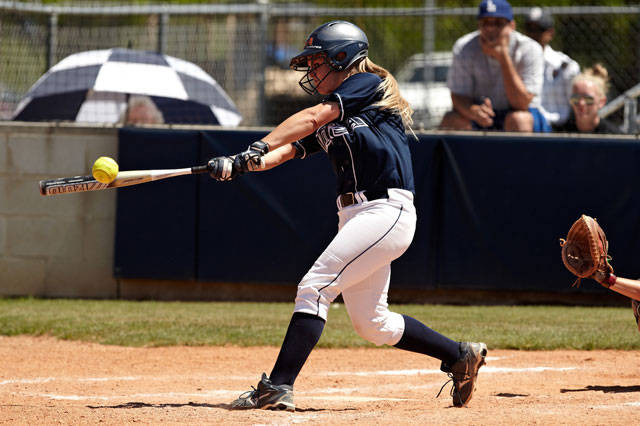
[{"x": 423, "y": 83}]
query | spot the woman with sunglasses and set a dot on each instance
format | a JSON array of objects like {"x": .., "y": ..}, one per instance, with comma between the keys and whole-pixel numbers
[{"x": 588, "y": 96}]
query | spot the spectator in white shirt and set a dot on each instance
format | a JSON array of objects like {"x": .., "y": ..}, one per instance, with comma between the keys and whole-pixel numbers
[{"x": 559, "y": 69}]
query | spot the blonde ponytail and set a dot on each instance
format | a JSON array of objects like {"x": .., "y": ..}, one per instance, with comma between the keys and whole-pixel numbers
[{"x": 391, "y": 99}]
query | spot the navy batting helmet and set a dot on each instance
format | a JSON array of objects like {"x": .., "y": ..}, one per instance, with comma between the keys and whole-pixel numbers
[{"x": 342, "y": 43}]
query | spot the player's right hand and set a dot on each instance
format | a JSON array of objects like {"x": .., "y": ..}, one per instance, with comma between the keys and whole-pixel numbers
[
  {"x": 222, "y": 168},
  {"x": 260, "y": 147},
  {"x": 248, "y": 161}
]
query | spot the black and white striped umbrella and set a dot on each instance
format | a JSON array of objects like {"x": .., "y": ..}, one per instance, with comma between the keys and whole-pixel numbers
[{"x": 94, "y": 87}]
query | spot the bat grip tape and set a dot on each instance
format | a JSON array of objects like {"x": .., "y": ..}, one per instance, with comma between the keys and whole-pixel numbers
[{"x": 199, "y": 169}]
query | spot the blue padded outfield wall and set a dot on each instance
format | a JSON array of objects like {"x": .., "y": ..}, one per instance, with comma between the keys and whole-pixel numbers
[{"x": 490, "y": 211}]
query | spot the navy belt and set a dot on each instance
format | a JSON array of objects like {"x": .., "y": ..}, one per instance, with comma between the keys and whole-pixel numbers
[{"x": 351, "y": 198}]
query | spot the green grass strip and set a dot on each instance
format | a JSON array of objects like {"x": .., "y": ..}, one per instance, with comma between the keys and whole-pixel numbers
[{"x": 149, "y": 323}]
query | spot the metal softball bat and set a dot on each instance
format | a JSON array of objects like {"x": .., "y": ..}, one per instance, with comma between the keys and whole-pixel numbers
[{"x": 72, "y": 184}]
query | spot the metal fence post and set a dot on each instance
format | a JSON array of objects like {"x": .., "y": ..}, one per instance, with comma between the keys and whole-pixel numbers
[
  {"x": 52, "y": 40},
  {"x": 630, "y": 112},
  {"x": 163, "y": 21},
  {"x": 263, "y": 32},
  {"x": 428, "y": 39}
]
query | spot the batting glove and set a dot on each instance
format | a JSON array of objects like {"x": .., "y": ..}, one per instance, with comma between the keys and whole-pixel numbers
[
  {"x": 260, "y": 147},
  {"x": 248, "y": 161},
  {"x": 222, "y": 168}
]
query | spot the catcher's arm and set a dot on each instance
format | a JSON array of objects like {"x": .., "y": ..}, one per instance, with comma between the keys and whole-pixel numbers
[
  {"x": 624, "y": 286},
  {"x": 585, "y": 254}
]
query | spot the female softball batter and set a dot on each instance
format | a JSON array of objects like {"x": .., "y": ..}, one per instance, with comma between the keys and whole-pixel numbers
[{"x": 360, "y": 125}]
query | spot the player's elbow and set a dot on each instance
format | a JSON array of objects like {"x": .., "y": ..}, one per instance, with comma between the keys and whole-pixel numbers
[
  {"x": 313, "y": 119},
  {"x": 321, "y": 114},
  {"x": 308, "y": 119}
]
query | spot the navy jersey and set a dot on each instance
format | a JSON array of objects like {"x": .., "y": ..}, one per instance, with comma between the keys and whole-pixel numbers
[{"x": 367, "y": 146}]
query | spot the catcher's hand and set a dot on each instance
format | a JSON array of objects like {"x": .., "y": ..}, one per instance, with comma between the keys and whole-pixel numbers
[{"x": 584, "y": 252}]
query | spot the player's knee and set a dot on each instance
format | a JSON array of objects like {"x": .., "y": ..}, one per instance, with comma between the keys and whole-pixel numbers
[
  {"x": 369, "y": 332},
  {"x": 381, "y": 329},
  {"x": 311, "y": 301},
  {"x": 518, "y": 121}
]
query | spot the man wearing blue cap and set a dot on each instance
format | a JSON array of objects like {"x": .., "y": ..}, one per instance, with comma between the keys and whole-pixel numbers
[{"x": 496, "y": 76}]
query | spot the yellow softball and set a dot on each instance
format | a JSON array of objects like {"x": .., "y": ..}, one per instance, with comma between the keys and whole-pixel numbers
[{"x": 105, "y": 169}]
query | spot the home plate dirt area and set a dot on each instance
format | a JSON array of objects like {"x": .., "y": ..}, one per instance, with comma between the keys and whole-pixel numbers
[{"x": 48, "y": 381}]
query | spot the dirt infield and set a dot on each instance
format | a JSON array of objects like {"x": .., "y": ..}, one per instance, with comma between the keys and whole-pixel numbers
[{"x": 47, "y": 381}]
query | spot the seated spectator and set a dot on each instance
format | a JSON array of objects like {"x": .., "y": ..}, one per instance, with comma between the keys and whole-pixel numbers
[
  {"x": 559, "y": 69},
  {"x": 496, "y": 76},
  {"x": 142, "y": 110},
  {"x": 588, "y": 96}
]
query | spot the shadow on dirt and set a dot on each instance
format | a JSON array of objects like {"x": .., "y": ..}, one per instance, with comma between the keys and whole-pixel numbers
[
  {"x": 195, "y": 404},
  {"x": 147, "y": 405},
  {"x": 312, "y": 410},
  {"x": 512, "y": 395},
  {"x": 605, "y": 389}
]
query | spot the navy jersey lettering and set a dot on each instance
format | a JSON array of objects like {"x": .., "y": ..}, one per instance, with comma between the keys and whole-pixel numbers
[{"x": 367, "y": 146}]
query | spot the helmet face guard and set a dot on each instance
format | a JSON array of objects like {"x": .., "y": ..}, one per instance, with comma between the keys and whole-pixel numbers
[
  {"x": 341, "y": 43},
  {"x": 307, "y": 81}
]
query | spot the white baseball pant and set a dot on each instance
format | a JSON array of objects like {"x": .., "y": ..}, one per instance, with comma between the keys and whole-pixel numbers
[{"x": 357, "y": 263}]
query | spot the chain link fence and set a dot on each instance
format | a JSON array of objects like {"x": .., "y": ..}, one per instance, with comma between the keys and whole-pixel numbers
[{"x": 246, "y": 47}]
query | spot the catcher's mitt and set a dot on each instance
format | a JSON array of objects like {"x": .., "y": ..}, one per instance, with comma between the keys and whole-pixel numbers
[{"x": 584, "y": 252}]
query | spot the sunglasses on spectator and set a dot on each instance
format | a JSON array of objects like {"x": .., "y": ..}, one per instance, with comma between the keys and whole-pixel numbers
[{"x": 575, "y": 99}]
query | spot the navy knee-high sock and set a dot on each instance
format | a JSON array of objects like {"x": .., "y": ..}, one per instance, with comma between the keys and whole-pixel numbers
[
  {"x": 417, "y": 337},
  {"x": 302, "y": 335}
]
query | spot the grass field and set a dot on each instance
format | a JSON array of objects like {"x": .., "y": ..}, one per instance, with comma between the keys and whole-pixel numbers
[{"x": 132, "y": 323}]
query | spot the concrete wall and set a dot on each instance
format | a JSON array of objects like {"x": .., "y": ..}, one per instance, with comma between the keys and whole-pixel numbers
[{"x": 57, "y": 246}]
